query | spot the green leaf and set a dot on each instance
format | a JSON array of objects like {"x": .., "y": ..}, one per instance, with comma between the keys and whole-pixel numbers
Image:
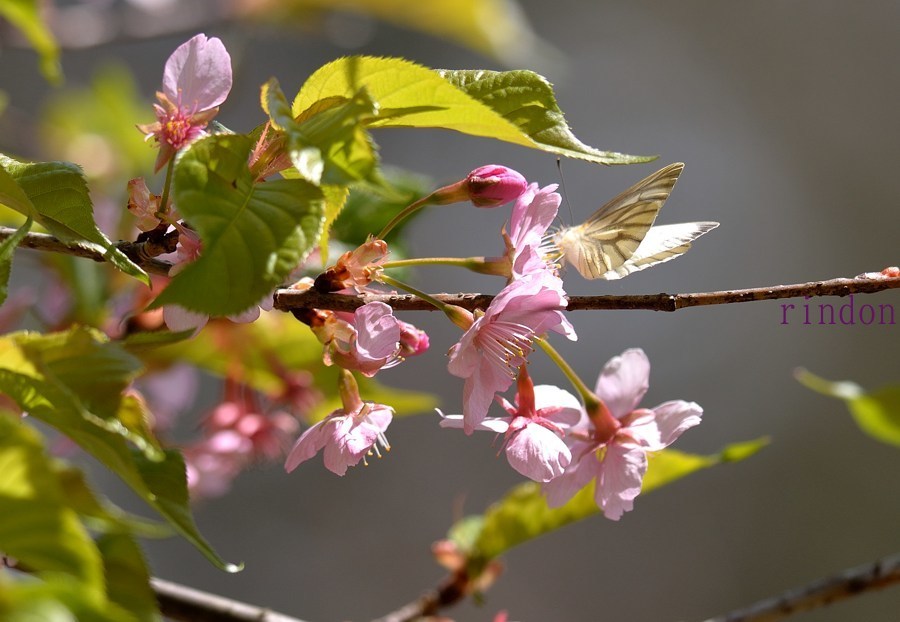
[
  {"x": 34, "y": 370},
  {"x": 127, "y": 577},
  {"x": 523, "y": 513},
  {"x": 26, "y": 16},
  {"x": 36, "y": 526},
  {"x": 59, "y": 194},
  {"x": 516, "y": 107},
  {"x": 7, "y": 248},
  {"x": 877, "y": 413},
  {"x": 335, "y": 200},
  {"x": 100, "y": 515},
  {"x": 328, "y": 143},
  {"x": 254, "y": 233}
]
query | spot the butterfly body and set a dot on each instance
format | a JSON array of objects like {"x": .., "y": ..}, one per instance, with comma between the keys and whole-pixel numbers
[{"x": 619, "y": 238}]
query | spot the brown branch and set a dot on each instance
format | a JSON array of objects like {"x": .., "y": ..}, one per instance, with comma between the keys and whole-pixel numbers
[
  {"x": 136, "y": 251},
  {"x": 852, "y": 582},
  {"x": 186, "y": 604},
  {"x": 289, "y": 300}
]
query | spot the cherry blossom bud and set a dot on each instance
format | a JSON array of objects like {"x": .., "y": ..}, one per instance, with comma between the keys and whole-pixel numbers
[
  {"x": 494, "y": 185},
  {"x": 413, "y": 341}
]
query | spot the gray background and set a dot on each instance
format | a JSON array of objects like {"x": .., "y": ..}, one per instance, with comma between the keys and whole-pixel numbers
[{"x": 785, "y": 114}]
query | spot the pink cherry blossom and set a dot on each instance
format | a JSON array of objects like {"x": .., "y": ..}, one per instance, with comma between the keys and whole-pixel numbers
[
  {"x": 611, "y": 445},
  {"x": 196, "y": 80},
  {"x": 491, "y": 351},
  {"x": 534, "y": 428},
  {"x": 347, "y": 435},
  {"x": 365, "y": 341},
  {"x": 531, "y": 216}
]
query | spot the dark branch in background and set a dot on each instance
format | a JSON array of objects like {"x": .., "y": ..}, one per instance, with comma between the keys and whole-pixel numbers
[
  {"x": 289, "y": 300},
  {"x": 138, "y": 252},
  {"x": 823, "y": 592},
  {"x": 185, "y": 604}
]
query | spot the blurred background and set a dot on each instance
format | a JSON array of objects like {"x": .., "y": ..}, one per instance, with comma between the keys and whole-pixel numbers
[{"x": 786, "y": 117}]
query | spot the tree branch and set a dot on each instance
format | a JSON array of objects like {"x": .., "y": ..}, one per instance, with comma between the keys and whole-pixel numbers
[
  {"x": 289, "y": 300},
  {"x": 852, "y": 582},
  {"x": 134, "y": 250},
  {"x": 186, "y": 604}
]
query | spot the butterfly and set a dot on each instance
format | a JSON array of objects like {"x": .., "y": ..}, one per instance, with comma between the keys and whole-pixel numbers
[{"x": 619, "y": 238}]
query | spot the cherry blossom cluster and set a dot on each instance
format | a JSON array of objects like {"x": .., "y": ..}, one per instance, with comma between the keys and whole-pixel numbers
[{"x": 549, "y": 435}]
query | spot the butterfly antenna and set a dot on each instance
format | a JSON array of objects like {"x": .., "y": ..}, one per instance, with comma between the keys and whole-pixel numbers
[{"x": 562, "y": 183}]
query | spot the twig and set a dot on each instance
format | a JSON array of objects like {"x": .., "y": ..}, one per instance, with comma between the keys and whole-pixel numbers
[
  {"x": 453, "y": 589},
  {"x": 820, "y": 593},
  {"x": 185, "y": 604},
  {"x": 44, "y": 242},
  {"x": 289, "y": 300}
]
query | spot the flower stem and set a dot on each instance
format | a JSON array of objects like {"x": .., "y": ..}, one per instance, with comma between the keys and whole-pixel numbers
[
  {"x": 591, "y": 401},
  {"x": 412, "y": 290},
  {"x": 164, "y": 199},
  {"x": 409, "y": 210},
  {"x": 481, "y": 265}
]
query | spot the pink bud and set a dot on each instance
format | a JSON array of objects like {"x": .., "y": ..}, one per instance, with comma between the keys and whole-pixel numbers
[
  {"x": 413, "y": 341},
  {"x": 493, "y": 185}
]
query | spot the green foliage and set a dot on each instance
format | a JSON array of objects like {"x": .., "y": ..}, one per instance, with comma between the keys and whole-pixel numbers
[
  {"x": 26, "y": 16},
  {"x": 516, "y": 107},
  {"x": 36, "y": 526},
  {"x": 329, "y": 143},
  {"x": 523, "y": 514},
  {"x": 254, "y": 233},
  {"x": 73, "y": 381},
  {"x": 7, "y": 247},
  {"x": 59, "y": 200},
  {"x": 877, "y": 413}
]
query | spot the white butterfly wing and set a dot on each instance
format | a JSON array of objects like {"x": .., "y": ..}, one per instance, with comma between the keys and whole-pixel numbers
[
  {"x": 614, "y": 232},
  {"x": 661, "y": 244}
]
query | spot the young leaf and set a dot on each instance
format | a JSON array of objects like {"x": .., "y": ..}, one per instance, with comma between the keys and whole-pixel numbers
[
  {"x": 254, "y": 233},
  {"x": 61, "y": 202},
  {"x": 410, "y": 95},
  {"x": 26, "y": 16},
  {"x": 29, "y": 366},
  {"x": 523, "y": 513},
  {"x": 36, "y": 526},
  {"x": 335, "y": 200},
  {"x": 7, "y": 247},
  {"x": 527, "y": 100},
  {"x": 328, "y": 145},
  {"x": 877, "y": 413}
]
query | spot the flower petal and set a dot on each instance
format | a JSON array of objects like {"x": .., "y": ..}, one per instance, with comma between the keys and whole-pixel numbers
[
  {"x": 623, "y": 381},
  {"x": 197, "y": 76},
  {"x": 538, "y": 453},
  {"x": 621, "y": 474}
]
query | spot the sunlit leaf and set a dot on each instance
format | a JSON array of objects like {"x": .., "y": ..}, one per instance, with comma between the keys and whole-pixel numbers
[
  {"x": 35, "y": 370},
  {"x": 36, "y": 526},
  {"x": 59, "y": 194},
  {"x": 523, "y": 513},
  {"x": 516, "y": 107},
  {"x": 877, "y": 413},
  {"x": 26, "y": 16},
  {"x": 254, "y": 233}
]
